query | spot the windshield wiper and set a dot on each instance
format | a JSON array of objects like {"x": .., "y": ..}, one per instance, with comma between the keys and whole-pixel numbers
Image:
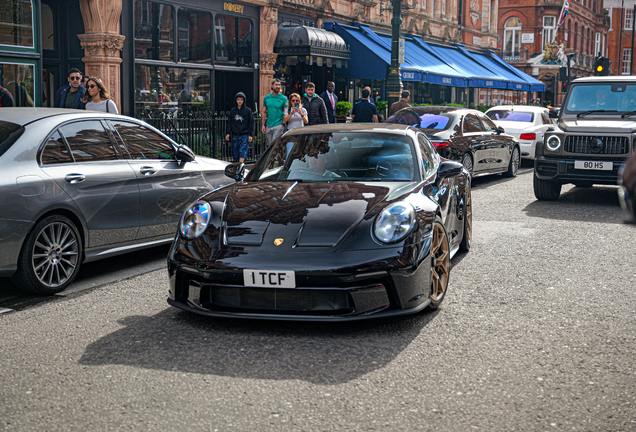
[
  {"x": 584, "y": 113},
  {"x": 631, "y": 113}
]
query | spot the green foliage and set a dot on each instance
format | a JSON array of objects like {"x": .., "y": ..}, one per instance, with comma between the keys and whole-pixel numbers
[
  {"x": 381, "y": 105},
  {"x": 343, "y": 108}
]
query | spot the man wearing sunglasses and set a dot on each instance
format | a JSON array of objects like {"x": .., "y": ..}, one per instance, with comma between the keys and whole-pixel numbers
[{"x": 71, "y": 95}]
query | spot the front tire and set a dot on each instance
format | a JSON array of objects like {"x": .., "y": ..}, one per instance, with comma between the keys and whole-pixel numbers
[
  {"x": 546, "y": 190},
  {"x": 440, "y": 263},
  {"x": 50, "y": 257},
  {"x": 513, "y": 166},
  {"x": 467, "y": 237}
]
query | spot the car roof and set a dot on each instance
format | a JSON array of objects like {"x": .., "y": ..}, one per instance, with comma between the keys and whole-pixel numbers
[
  {"x": 351, "y": 127},
  {"x": 602, "y": 79},
  {"x": 518, "y": 108},
  {"x": 24, "y": 116}
]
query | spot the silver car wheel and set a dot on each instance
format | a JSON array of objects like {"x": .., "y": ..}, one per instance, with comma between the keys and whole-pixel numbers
[{"x": 55, "y": 254}]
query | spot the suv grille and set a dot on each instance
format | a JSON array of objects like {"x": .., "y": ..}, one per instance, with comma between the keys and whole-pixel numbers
[{"x": 596, "y": 145}]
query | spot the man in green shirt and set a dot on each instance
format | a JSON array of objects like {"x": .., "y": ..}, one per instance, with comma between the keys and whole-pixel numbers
[{"x": 272, "y": 113}]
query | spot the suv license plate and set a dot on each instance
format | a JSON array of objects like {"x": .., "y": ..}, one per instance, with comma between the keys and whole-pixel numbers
[
  {"x": 269, "y": 278},
  {"x": 594, "y": 165}
]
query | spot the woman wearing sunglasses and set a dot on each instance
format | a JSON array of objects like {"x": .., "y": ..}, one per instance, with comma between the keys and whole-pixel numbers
[
  {"x": 295, "y": 115},
  {"x": 97, "y": 98}
]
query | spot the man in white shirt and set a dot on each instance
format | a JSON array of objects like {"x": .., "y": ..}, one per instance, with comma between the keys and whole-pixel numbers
[{"x": 331, "y": 100}]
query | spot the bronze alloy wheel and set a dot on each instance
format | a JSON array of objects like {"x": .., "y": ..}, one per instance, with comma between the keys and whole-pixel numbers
[
  {"x": 440, "y": 265},
  {"x": 468, "y": 222}
]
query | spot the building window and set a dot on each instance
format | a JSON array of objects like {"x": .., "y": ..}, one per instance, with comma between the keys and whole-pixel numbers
[
  {"x": 512, "y": 39},
  {"x": 154, "y": 35},
  {"x": 629, "y": 19},
  {"x": 627, "y": 61},
  {"x": 195, "y": 36},
  {"x": 233, "y": 40},
  {"x": 549, "y": 29},
  {"x": 170, "y": 89},
  {"x": 17, "y": 78},
  {"x": 597, "y": 44},
  {"x": 16, "y": 23}
]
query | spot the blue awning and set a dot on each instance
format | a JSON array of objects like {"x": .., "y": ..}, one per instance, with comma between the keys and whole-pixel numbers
[
  {"x": 535, "y": 84},
  {"x": 514, "y": 81},
  {"x": 367, "y": 47}
]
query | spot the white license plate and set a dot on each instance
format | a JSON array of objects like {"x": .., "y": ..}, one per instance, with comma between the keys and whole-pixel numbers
[
  {"x": 594, "y": 165},
  {"x": 269, "y": 278}
]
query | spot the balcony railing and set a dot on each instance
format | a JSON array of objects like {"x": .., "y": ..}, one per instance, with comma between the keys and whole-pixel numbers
[{"x": 512, "y": 56}]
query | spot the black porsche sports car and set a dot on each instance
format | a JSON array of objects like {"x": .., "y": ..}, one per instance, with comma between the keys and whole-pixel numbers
[{"x": 334, "y": 222}]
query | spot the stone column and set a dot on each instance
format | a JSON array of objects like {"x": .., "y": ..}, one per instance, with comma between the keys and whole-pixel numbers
[
  {"x": 269, "y": 30},
  {"x": 103, "y": 43}
]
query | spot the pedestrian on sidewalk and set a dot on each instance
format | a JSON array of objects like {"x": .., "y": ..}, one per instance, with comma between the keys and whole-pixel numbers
[
  {"x": 316, "y": 109},
  {"x": 364, "y": 111},
  {"x": 331, "y": 100},
  {"x": 240, "y": 126},
  {"x": 72, "y": 94},
  {"x": 402, "y": 103},
  {"x": 97, "y": 98},
  {"x": 272, "y": 113}
]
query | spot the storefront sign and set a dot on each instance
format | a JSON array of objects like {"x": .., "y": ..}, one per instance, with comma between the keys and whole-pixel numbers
[
  {"x": 527, "y": 37},
  {"x": 476, "y": 41},
  {"x": 447, "y": 81},
  {"x": 231, "y": 7},
  {"x": 410, "y": 76}
]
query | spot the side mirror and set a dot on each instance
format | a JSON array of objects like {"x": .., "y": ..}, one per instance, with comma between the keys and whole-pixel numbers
[
  {"x": 500, "y": 130},
  {"x": 235, "y": 171},
  {"x": 449, "y": 168},
  {"x": 185, "y": 154},
  {"x": 553, "y": 114}
]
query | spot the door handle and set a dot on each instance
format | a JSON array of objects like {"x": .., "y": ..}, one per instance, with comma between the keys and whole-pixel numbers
[
  {"x": 75, "y": 178},
  {"x": 147, "y": 170}
]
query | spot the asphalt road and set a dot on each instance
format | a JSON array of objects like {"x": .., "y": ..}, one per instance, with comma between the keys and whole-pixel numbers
[{"x": 537, "y": 332}]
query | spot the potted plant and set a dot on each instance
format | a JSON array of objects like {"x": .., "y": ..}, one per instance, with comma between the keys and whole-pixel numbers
[{"x": 343, "y": 109}]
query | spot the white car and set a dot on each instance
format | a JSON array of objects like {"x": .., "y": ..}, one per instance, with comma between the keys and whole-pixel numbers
[{"x": 526, "y": 123}]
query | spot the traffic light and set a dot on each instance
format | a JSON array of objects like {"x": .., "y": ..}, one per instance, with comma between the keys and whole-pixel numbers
[
  {"x": 601, "y": 66},
  {"x": 549, "y": 84},
  {"x": 564, "y": 86},
  {"x": 563, "y": 74}
]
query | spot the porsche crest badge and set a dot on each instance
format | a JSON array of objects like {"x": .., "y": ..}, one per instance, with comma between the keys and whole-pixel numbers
[{"x": 278, "y": 242}]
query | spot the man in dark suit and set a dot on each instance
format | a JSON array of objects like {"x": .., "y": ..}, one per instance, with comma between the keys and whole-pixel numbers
[{"x": 331, "y": 100}]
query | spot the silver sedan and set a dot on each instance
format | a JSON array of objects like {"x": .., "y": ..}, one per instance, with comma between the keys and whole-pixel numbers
[{"x": 78, "y": 186}]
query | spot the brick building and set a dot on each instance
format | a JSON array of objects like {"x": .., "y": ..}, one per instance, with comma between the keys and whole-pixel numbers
[
  {"x": 619, "y": 52},
  {"x": 530, "y": 40}
]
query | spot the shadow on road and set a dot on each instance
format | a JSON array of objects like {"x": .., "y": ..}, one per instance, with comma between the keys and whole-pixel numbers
[
  {"x": 319, "y": 353},
  {"x": 486, "y": 181},
  {"x": 594, "y": 204}
]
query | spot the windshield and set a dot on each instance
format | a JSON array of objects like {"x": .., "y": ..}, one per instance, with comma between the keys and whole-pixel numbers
[
  {"x": 517, "y": 116},
  {"x": 422, "y": 121},
  {"x": 617, "y": 97},
  {"x": 9, "y": 133},
  {"x": 338, "y": 156}
]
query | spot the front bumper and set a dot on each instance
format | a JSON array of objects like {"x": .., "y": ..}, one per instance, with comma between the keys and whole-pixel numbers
[
  {"x": 561, "y": 170},
  {"x": 374, "y": 284}
]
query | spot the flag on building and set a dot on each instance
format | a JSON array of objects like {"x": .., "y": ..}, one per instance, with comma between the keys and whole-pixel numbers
[{"x": 564, "y": 12}]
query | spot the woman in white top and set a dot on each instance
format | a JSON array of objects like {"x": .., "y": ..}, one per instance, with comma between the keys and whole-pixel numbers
[
  {"x": 97, "y": 98},
  {"x": 295, "y": 115}
]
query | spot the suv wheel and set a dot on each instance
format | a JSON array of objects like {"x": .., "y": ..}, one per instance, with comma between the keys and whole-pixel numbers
[{"x": 546, "y": 190}]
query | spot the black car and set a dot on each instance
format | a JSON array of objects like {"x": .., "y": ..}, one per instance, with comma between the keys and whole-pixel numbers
[
  {"x": 465, "y": 135},
  {"x": 334, "y": 222}
]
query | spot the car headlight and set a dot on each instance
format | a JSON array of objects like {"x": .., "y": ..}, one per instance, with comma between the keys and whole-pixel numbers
[
  {"x": 394, "y": 222},
  {"x": 553, "y": 143},
  {"x": 195, "y": 220}
]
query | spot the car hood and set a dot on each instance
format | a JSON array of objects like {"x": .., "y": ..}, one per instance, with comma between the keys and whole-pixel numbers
[
  {"x": 302, "y": 214},
  {"x": 599, "y": 125}
]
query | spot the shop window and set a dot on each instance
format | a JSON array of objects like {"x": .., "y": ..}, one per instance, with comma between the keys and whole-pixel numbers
[
  {"x": 154, "y": 36},
  {"x": 195, "y": 38},
  {"x": 171, "y": 90},
  {"x": 232, "y": 40},
  {"x": 16, "y": 23},
  {"x": 18, "y": 80},
  {"x": 48, "y": 28}
]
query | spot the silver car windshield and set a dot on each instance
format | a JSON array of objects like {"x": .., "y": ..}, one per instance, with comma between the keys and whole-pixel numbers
[
  {"x": 605, "y": 97},
  {"x": 339, "y": 156}
]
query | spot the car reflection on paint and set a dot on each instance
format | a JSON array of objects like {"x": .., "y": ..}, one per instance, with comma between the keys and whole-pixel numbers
[
  {"x": 78, "y": 186},
  {"x": 465, "y": 135},
  {"x": 335, "y": 222}
]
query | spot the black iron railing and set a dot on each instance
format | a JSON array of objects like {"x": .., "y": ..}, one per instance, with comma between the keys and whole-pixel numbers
[{"x": 204, "y": 132}]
